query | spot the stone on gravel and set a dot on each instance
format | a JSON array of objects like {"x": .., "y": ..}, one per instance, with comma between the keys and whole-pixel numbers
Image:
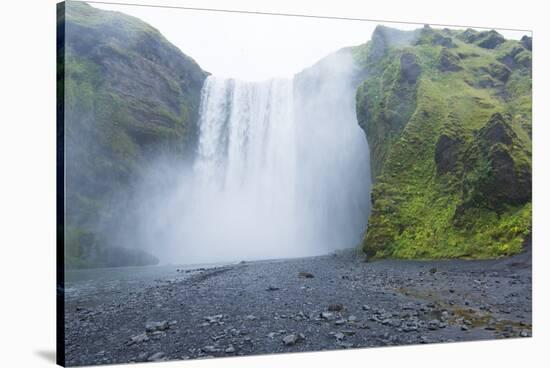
[
  {"x": 272, "y": 288},
  {"x": 214, "y": 319},
  {"x": 305, "y": 275},
  {"x": 156, "y": 357},
  {"x": 433, "y": 325},
  {"x": 339, "y": 336},
  {"x": 230, "y": 350},
  {"x": 326, "y": 315},
  {"x": 293, "y": 339},
  {"x": 337, "y": 307},
  {"x": 156, "y": 326},
  {"x": 210, "y": 349},
  {"x": 139, "y": 338}
]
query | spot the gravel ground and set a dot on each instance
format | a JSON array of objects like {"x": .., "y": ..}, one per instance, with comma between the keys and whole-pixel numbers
[{"x": 320, "y": 303}]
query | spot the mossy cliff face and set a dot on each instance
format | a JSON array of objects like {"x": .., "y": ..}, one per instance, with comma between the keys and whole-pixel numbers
[
  {"x": 448, "y": 118},
  {"x": 130, "y": 96}
]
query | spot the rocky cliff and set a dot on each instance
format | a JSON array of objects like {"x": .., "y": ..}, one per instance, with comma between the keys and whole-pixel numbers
[
  {"x": 447, "y": 115},
  {"x": 129, "y": 96}
]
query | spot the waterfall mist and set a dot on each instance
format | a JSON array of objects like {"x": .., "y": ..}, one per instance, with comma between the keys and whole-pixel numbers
[{"x": 281, "y": 170}]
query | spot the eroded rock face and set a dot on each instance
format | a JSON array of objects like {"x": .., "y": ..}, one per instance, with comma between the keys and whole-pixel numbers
[
  {"x": 485, "y": 39},
  {"x": 447, "y": 154},
  {"x": 130, "y": 96},
  {"x": 514, "y": 58},
  {"x": 501, "y": 177},
  {"x": 491, "y": 40},
  {"x": 449, "y": 62},
  {"x": 527, "y": 42},
  {"x": 499, "y": 71},
  {"x": 410, "y": 70},
  {"x": 497, "y": 130},
  {"x": 508, "y": 182}
]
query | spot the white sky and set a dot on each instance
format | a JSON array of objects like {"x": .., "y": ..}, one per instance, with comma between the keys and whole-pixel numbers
[{"x": 256, "y": 46}]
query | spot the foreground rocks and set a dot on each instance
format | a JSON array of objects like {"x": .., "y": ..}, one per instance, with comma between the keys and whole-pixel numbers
[{"x": 237, "y": 310}]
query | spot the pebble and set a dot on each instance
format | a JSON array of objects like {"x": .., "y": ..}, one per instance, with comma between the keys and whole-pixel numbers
[
  {"x": 293, "y": 339},
  {"x": 230, "y": 350},
  {"x": 210, "y": 349},
  {"x": 156, "y": 326},
  {"x": 156, "y": 357},
  {"x": 339, "y": 336},
  {"x": 335, "y": 307},
  {"x": 139, "y": 338},
  {"x": 433, "y": 325},
  {"x": 326, "y": 315},
  {"x": 214, "y": 319}
]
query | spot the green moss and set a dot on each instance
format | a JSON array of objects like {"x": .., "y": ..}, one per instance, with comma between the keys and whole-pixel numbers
[{"x": 418, "y": 211}]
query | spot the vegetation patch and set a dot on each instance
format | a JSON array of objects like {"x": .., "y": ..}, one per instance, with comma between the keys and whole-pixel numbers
[{"x": 451, "y": 148}]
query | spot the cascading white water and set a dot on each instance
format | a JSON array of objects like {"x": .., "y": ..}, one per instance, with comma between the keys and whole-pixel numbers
[
  {"x": 282, "y": 168},
  {"x": 245, "y": 171}
]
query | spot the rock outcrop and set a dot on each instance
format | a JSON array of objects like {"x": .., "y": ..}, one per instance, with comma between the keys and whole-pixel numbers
[
  {"x": 448, "y": 120},
  {"x": 130, "y": 96}
]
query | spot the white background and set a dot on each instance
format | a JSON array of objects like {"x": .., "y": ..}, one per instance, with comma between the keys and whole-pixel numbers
[{"x": 27, "y": 183}]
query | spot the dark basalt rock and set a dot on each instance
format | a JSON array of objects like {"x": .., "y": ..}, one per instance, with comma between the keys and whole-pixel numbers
[
  {"x": 410, "y": 70},
  {"x": 469, "y": 35},
  {"x": 440, "y": 40},
  {"x": 509, "y": 59},
  {"x": 499, "y": 71},
  {"x": 486, "y": 39},
  {"x": 523, "y": 59},
  {"x": 428, "y": 36},
  {"x": 449, "y": 62},
  {"x": 490, "y": 39},
  {"x": 497, "y": 130},
  {"x": 498, "y": 179},
  {"x": 447, "y": 154},
  {"x": 527, "y": 42},
  {"x": 507, "y": 183}
]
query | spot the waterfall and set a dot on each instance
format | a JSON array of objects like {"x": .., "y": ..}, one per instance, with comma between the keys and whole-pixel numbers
[{"x": 282, "y": 168}]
